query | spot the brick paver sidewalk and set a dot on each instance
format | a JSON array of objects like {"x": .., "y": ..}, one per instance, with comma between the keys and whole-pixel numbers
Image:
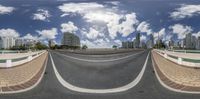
[
  {"x": 176, "y": 76},
  {"x": 23, "y": 76}
]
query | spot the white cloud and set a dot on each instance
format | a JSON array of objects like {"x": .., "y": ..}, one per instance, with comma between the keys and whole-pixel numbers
[
  {"x": 69, "y": 27},
  {"x": 9, "y": 32},
  {"x": 196, "y": 34},
  {"x": 113, "y": 2},
  {"x": 42, "y": 15},
  {"x": 92, "y": 33},
  {"x": 180, "y": 30},
  {"x": 29, "y": 36},
  {"x": 94, "y": 12},
  {"x": 98, "y": 43},
  {"x": 144, "y": 27},
  {"x": 160, "y": 33},
  {"x": 143, "y": 38},
  {"x": 185, "y": 11},
  {"x": 48, "y": 34},
  {"x": 6, "y": 10}
]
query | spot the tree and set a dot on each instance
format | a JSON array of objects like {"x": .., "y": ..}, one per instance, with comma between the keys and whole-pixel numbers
[
  {"x": 114, "y": 46},
  {"x": 40, "y": 46},
  {"x": 84, "y": 47}
]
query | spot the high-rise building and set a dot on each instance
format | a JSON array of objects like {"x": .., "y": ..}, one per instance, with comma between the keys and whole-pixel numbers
[
  {"x": 51, "y": 43},
  {"x": 188, "y": 43},
  {"x": 128, "y": 44},
  {"x": 193, "y": 42},
  {"x": 198, "y": 43},
  {"x": 152, "y": 40},
  {"x": 70, "y": 39},
  {"x": 137, "y": 40},
  {"x": 7, "y": 42},
  {"x": 19, "y": 42}
]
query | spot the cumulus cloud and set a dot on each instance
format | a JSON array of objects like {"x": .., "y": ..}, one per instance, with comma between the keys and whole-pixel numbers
[
  {"x": 29, "y": 36},
  {"x": 6, "y": 10},
  {"x": 196, "y": 34},
  {"x": 48, "y": 34},
  {"x": 144, "y": 27},
  {"x": 160, "y": 33},
  {"x": 98, "y": 43},
  {"x": 9, "y": 33},
  {"x": 180, "y": 30},
  {"x": 94, "y": 12},
  {"x": 143, "y": 38},
  {"x": 42, "y": 15},
  {"x": 185, "y": 11},
  {"x": 69, "y": 27}
]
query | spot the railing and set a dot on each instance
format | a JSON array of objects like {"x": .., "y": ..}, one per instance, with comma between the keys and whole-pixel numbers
[
  {"x": 186, "y": 60},
  {"x": 14, "y": 61}
]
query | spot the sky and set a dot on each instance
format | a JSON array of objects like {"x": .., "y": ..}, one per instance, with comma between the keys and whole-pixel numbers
[{"x": 99, "y": 24}]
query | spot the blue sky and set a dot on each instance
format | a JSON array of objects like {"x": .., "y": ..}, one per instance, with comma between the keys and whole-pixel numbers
[{"x": 99, "y": 23}]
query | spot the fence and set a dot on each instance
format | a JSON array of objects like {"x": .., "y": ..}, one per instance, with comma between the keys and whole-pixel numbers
[
  {"x": 186, "y": 59},
  {"x": 19, "y": 59}
]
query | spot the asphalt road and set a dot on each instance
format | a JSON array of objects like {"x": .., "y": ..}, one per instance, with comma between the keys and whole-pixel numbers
[{"x": 148, "y": 87}]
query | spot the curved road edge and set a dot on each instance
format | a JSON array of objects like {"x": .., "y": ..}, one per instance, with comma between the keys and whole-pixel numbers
[
  {"x": 168, "y": 87},
  {"x": 34, "y": 85},
  {"x": 111, "y": 90}
]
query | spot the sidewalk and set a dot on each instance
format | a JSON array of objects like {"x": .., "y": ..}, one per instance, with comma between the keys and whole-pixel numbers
[
  {"x": 176, "y": 76},
  {"x": 22, "y": 77}
]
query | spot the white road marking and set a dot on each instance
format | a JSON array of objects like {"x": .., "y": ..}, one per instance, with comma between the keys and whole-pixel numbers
[
  {"x": 108, "y": 60},
  {"x": 111, "y": 90}
]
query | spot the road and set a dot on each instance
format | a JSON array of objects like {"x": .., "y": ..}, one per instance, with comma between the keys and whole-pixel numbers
[{"x": 147, "y": 88}]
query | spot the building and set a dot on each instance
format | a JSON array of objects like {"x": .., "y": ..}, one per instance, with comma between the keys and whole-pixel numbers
[
  {"x": 19, "y": 42},
  {"x": 137, "y": 40},
  {"x": 188, "y": 43},
  {"x": 128, "y": 44},
  {"x": 193, "y": 42},
  {"x": 198, "y": 43},
  {"x": 51, "y": 43},
  {"x": 70, "y": 39},
  {"x": 7, "y": 42},
  {"x": 28, "y": 43}
]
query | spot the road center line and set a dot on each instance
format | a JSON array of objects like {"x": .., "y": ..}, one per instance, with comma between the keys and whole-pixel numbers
[{"x": 111, "y": 90}]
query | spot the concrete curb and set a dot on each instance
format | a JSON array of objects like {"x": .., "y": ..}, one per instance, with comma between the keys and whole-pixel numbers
[
  {"x": 109, "y": 60},
  {"x": 100, "y": 91},
  {"x": 29, "y": 88},
  {"x": 168, "y": 87}
]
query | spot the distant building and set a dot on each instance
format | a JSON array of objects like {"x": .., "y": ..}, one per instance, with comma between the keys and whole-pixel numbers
[
  {"x": 7, "y": 42},
  {"x": 137, "y": 40},
  {"x": 29, "y": 43},
  {"x": 188, "y": 43},
  {"x": 198, "y": 43},
  {"x": 19, "y": 42},
  {"x": 193, "y": 42},
  {"x": 51, "y": 43},
  {"x": 70, "y": 39},
  {"x": 127, "y": 44}
]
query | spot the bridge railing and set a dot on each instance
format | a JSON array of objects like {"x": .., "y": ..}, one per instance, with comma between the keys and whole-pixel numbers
[
  {"x": 186, "y": 59},
  {"x": 18, "y": 60}
]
